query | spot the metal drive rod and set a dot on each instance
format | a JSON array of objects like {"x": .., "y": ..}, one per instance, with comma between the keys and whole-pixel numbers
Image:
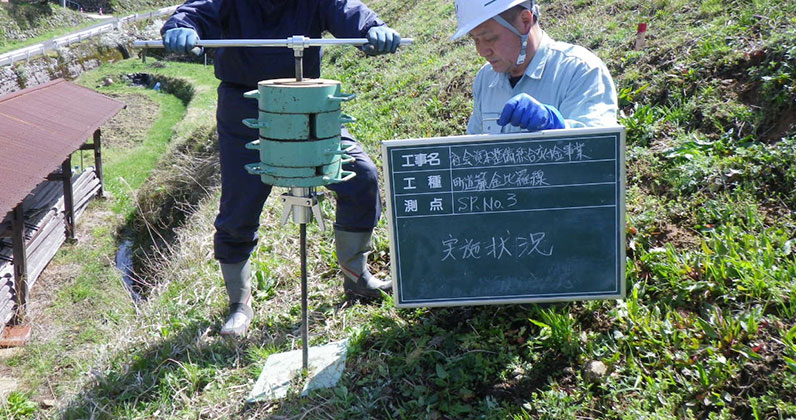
[
  {"x": 302, "y": 214},
  {"x": 298, "y": 53},
  {"x": 304, "y": 334},
  {"x": 292, "y": 42}
]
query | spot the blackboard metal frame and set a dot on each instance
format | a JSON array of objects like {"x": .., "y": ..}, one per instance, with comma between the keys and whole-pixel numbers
[{"x": 540, "y": 136}]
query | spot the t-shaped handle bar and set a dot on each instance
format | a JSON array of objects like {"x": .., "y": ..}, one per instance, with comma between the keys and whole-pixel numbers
[
  {"x": 297, "y": 42},
  {"x": 294, "y": 42}
]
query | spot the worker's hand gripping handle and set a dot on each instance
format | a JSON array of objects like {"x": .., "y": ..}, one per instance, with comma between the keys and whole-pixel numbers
[{"x": 288, "y": 42}]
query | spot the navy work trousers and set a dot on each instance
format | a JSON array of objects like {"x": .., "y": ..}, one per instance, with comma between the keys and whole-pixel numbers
[{"x": 243, "y": 195}]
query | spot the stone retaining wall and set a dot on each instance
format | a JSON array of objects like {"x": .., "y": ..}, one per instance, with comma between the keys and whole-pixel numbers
[{"x": 69, "y": 62}]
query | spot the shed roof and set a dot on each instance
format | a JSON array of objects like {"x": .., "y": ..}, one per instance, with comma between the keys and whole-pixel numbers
[{"x": 39, "y": 128}]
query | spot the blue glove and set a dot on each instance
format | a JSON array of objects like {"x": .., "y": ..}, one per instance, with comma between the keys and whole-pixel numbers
[
  {"x": 180, "y": 40},
  {"x": 526, "y": 112},
  {"x": 381, "y": 40}
]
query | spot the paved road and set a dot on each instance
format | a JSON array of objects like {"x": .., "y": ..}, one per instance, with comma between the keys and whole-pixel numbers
[{"x": 97, "y": 16}]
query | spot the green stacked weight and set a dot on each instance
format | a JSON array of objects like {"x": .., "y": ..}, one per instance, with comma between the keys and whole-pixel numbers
[{"x": 299, "y": 126}]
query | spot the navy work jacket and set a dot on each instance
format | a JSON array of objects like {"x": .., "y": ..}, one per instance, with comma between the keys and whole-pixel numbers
[{"x": 270, "y": 19}]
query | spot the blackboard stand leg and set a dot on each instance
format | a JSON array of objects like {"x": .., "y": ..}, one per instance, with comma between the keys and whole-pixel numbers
[{"x": 304, "y": 333}]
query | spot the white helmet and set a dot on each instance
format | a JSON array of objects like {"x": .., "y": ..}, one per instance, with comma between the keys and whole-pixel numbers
[{"x": 471, "y": 13}]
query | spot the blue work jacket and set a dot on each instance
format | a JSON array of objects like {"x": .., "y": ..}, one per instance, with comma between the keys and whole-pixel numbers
[{"x": 270, "y": 19}]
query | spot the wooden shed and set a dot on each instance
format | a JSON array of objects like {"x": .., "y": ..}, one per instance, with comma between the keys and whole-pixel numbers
[{"x": 40, "y": 196}]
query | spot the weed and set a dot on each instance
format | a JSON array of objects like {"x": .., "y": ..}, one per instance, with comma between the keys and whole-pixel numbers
[
  {"x": 706, "y": 329},
  {"x": 559, "y": 331},
  {"x": 18, "y": 405},
  {"x": 641, "y": 125},
  {"x": 789, "y": 339}
]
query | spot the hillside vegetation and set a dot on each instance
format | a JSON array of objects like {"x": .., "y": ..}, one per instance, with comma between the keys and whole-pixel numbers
[
  {"x": 708, "y": 328},
  {"x": 23, "y": 23},
  {"x": 20, "y": 22}
]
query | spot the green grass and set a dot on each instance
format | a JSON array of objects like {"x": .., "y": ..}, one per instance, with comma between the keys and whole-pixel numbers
[
  {"x": 91, "y": 306},
  {"x": 11, "y": 46},
  {"x": 24, "y": 23},
  {"x": 132, "y": 167},
  {"x": 18, "y": 406},
  {"x": 707, "y": 329}
]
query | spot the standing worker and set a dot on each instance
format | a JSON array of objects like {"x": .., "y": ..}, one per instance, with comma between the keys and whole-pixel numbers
[
  {"x": 531, "y": 82},
  {"x": 239, "y": 70}
]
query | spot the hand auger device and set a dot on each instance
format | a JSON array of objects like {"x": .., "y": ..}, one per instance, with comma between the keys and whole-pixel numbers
[
  {"x": 297, "y": 42},
  {"x": 299, "y": 137}
]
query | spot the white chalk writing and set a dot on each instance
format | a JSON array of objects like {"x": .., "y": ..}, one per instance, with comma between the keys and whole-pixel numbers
[
  {"x": 497, "y": 248},
  {"x": 449, "y": 245},
  {"x": 511, "y": 155},
  {"x": 486, "y": 203},
  {"x": 530, "y": 244},
  {"x": 501, "y": 246},
  {"x": 471, "y": 249},
  {"x": 483, "y": 181}
]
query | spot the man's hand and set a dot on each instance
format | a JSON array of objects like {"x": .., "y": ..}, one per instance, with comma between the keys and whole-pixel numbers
[
  {"x": 381, "y": 40},
  {"x": 526, "y": 112},
  {"x": 180, "y": 40}
]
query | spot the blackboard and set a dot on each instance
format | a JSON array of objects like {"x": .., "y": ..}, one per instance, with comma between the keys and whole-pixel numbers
[{"x": 513, "y": 218}]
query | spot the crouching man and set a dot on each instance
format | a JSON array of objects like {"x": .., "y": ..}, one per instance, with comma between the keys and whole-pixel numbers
[{"x": 531, "y": 82}]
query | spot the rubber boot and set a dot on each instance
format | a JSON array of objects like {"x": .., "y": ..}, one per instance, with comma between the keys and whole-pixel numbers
[
  {"x": 352, "y": 254},
  {"x": 237, "y": 279}
]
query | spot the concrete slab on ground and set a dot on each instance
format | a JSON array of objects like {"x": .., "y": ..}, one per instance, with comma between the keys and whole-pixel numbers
[{"x": 326, "y": 364}]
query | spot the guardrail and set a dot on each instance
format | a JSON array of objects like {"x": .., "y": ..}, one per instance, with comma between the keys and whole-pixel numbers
[
  {"x": 29, "y": 52},
  {"x": 73, "y": 4}
]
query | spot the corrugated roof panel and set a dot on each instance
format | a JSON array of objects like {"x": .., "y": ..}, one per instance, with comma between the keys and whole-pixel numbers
[{"x": 39, "y": 128}]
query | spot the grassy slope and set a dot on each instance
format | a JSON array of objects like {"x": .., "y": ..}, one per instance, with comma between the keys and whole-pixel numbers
[
  {"x": 708, "y": 329},
  {"x": 90, "y": 306},
  {"x": 23, "y": 24}
]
